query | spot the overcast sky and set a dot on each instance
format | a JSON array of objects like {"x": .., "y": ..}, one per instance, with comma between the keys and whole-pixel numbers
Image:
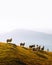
[{"x": 26, "y": 14}]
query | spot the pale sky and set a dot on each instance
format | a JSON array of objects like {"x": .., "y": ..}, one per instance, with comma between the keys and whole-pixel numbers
[{"x": 26, "y": 14}]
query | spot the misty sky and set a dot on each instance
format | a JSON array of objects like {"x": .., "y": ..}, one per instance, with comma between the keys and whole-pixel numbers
[{"x": 26, "y": 14}]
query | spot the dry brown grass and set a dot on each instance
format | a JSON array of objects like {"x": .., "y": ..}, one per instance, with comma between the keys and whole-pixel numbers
[{"x": 10, "y": 54}]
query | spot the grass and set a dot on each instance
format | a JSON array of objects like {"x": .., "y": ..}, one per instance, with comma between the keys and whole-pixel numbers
[{"x": 11, "y": 54}]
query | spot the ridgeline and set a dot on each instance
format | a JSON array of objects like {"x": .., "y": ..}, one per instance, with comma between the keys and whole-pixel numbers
[{"x": 11, "y": 54}]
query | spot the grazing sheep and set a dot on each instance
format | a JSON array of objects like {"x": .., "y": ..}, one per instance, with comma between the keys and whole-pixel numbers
[
  {"x": 22, "y": 44},
  {"x": 31, "y": 46},
  {"x": 42, "y": 48},
  {"x": 37, "y": 48},
  {"x": 9, "y": 40}
]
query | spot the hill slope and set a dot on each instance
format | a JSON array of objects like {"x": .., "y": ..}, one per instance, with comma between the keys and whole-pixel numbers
[{"x": 10, "y": 54}]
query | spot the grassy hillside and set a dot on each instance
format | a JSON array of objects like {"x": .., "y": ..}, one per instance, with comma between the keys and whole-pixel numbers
[{"x": 10, "y": 54}]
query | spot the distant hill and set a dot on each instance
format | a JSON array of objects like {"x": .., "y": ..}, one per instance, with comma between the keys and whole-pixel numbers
[
  {"x": 10, "y": 54},
  {"x": 29, "y": 37}
]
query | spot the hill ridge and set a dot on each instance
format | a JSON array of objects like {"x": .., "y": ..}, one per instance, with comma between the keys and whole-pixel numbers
[{"x": 30, "y": 37}]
